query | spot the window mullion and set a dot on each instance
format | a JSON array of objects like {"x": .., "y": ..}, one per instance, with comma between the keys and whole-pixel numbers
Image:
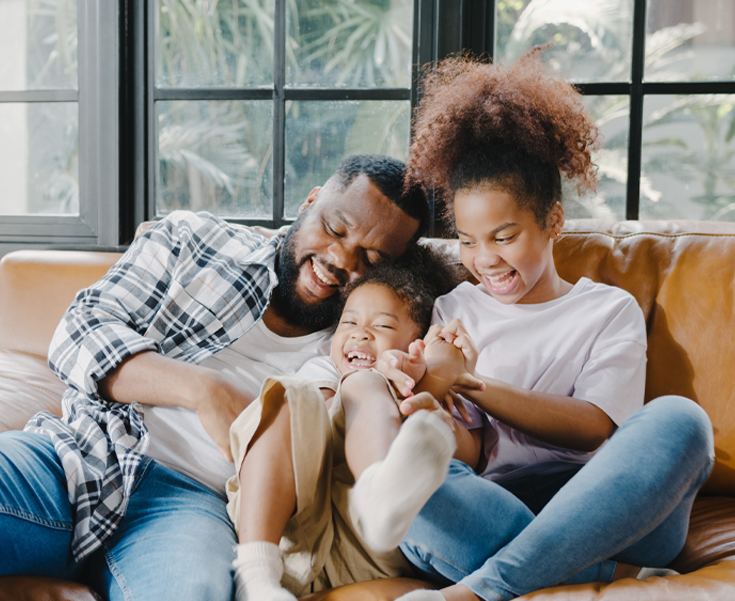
[
  {"x": 632, "y": 209},
  {"x": 279, "y": 111}
]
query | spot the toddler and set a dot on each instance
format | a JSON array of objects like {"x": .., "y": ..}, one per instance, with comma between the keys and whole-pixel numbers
[{"x": 333, "y": 487}]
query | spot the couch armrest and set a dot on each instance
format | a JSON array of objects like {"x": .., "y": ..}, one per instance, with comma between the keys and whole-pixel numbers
[{"x": 36, "y": 287}]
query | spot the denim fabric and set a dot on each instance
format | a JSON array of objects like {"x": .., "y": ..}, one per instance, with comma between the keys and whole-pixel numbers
[
  {"x": 175, "y": 542},
  {"x": 630, "y": 503}
]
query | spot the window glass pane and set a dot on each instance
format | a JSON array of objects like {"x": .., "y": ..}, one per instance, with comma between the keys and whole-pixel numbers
[
  {"x": 688, "y": 156},
  {"x": 592, "y": 38},
  {"x": 610, "y": 113},
  {"x": 320, "y": 134},
  {"x": 690, "y": 41},
  {"x": 215, "y": 156},
  {"x": 205, "y": 43},
  {"x": 39, "y": 161},
  {"x": 38, "y": 43},
  {"x": 349, "y": 43}
]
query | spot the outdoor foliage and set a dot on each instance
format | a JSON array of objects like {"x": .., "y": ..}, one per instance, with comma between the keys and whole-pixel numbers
[{"x": 337, "y": 43}]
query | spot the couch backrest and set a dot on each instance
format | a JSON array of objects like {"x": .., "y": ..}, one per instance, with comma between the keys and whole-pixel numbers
[
  {"x": 681, "y": 273},
  {"x": 36, "y": 287},
  {"x": 683, "y": 276}
]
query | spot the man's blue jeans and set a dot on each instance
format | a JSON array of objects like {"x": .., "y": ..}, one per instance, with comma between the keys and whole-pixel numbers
[
  {"x": 630, "y": 503},
  {"x": 176, "y": 541}
]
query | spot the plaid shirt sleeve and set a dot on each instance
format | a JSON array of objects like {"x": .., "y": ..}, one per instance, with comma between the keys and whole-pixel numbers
[
  {"x": 186, "y": 288},
  {"x": 143, "y": 300}
]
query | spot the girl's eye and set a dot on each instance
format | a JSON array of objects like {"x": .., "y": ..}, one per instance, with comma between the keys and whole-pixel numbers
[
  {"x": 348, "y": 322},
  {"x": 504, "y": 240},
  {"x": 465, "y": 243},
  {"x": 384, "y": 326}
]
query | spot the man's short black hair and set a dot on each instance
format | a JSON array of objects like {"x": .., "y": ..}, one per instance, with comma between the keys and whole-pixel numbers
[{"x": 388, "y": 174}]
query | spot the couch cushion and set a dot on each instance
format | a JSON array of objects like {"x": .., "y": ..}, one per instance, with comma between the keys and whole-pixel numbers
[
  {"x": 27, "y": 386},
  {"x": 711, "y": 535},
  {"x": 26, "y": 588}
]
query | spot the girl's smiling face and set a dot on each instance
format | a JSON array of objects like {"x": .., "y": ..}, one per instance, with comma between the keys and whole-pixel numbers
[
  {"x": 374, "y": 320},
  {"x": 505, "y": 248}
]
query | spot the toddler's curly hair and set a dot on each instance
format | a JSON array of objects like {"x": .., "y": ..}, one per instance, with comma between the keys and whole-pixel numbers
[
  {"x": 423, "y": 273},
  {"x": 515, "y": 127}
]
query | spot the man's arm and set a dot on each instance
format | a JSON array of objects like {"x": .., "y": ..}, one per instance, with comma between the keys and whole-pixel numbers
[
  {"x": 153, "y": 379},
  {"x": 114, "y": 332}
]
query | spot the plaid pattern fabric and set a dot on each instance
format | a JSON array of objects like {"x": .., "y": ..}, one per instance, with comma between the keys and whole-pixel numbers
[{"x": 188, "y": 287}]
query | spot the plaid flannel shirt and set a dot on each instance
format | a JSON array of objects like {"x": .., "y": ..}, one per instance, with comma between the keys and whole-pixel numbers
[{"x": 187, "y": 288}]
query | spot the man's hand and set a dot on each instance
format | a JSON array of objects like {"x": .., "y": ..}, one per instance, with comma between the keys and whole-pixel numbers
[
  {"x": 224, "y": 399},
  {"x": 152, "y": 379},
  {"x": 404, "y": 369}
]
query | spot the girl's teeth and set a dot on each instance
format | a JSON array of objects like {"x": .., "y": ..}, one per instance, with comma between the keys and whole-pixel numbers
[{"x": 497, "y": 279}]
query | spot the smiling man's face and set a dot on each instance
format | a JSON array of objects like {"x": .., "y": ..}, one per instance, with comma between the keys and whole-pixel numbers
[{"x": 340, "y": 233}]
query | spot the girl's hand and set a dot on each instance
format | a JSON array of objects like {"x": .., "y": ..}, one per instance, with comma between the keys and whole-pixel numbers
[
  {"x": 456, "y": 366},
  {"x": 404, "y": 369},
  {"x": 454, "y": 401},
  {"x": 456, "y": 333}
]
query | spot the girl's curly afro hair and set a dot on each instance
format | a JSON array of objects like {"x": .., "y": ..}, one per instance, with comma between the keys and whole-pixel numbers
[{"x": 515, "y": 127}]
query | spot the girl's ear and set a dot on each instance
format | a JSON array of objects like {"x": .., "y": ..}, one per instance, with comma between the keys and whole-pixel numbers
[{"x": 556, "y": 220}]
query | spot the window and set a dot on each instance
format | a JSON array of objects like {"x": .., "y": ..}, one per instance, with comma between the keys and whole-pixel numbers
[
  {"x": 255, "y": 102},
  {"x": 659, "y": 76},
  {"x": 117, "y": 112},
  {"x": 58, "y": 99}
]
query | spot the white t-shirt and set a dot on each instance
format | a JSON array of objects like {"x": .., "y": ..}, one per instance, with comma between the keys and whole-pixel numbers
[
  {"x": 177, "y": 437},
  {"x": 320, "y": 370},
  {"x": 589, "y": 344}
]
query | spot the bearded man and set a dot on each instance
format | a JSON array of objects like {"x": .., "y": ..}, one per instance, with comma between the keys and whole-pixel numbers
[{"x": 126, "y": 491}]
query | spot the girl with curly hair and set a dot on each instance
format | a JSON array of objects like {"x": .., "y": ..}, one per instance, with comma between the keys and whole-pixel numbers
[{"x": 578, "y": 481}]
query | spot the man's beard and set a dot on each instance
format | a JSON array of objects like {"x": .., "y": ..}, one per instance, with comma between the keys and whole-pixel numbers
[{"x": 285, "y": 298}]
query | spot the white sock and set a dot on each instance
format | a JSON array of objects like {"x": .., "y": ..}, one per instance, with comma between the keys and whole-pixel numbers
[
  {"x": 422, "y": 595},
  {"x": 390, "y": 493},
  {"x": 660, "y": 572},
  {"x": 258, "y": 570}
]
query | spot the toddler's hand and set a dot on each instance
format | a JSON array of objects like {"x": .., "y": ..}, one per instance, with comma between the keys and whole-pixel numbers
[
  {"x": 424, "y": 400},
  {"x": 456, "y": 333},
  {"x": 404, "y": 369}
]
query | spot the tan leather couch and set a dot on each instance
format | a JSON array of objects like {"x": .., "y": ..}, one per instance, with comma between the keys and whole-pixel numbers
[{"x": 681, "y": 273}]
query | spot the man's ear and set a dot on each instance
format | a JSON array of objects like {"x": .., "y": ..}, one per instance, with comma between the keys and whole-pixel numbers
[{"x": 309, "y": 199}]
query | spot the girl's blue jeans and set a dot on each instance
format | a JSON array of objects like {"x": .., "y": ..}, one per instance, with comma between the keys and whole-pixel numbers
[
  {"x": 175, "y": 542},
  {"x": 630, "y": 503}
]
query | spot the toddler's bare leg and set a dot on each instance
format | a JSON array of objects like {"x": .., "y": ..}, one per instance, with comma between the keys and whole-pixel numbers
[
  {"x": 396, "y": 467},
  {"x": 267, "y": 483},
  {"x": 372, "y": 420},
  {"x": 268, "y": 498}
]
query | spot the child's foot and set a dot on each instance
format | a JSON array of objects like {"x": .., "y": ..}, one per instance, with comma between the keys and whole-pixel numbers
[
  {"x": 258, "y": 570},
  {"x": 651, "y": 572},
  {"x": 389, "y": 494},
  {"x": 422, "y": 595}
]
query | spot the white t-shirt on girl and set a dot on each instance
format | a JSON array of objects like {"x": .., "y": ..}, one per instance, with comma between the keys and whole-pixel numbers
[{"x": 589, "y": 344}]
